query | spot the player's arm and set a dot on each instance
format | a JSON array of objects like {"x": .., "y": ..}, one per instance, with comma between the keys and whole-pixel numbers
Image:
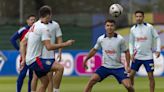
[
  {"x": 45, "y": 38},
  {"x": 125, "y": 50},
  {"x": 14, "y": 39},
  {"x": 59, "y": 41},
  {"x": 158, "y": 42},
  {"x": 158, "y": 47},
  {"x": 91, "y": 53},
  {"x": 127, "y": 56},
  {"x": 50, "y": 46},
  {"x": 131, "y": 45},
  {"x": 23, "y": 44}
]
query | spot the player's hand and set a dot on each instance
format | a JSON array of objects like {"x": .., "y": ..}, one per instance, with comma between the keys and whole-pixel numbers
[
  {"x": 132, "y": 58},
  {"x": 127, "y": 68},
  {"x": 22, "y": 64},
  {"x": 157, "y": 54},
  {"x": 59, "y": 58},
  {"x": 69, "y": 42},
  {"x": 85, "y": 65}
]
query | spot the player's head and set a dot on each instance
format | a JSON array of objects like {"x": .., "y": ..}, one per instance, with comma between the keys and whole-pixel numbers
[
  {"x": 45, "y": 14},
  {"x": 110, "y": 26},
  {"x": 139, "y": 15},
  {"x": 31, "y": 19}
]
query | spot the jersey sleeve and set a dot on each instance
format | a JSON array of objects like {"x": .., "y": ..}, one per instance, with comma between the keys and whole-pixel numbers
[
  {"x": 14, "y": 39},
  {"x": 131, "y": 42},
  {"x": 21, "y": 30},
  {"x": 123, "y": 45},
  {"x": 157, "y": 41},
  {"x": 154, "y": 32},
  {"x": 45, "y": 35},
  {"x": 98, "y": 44},
  {"x": 58, "y": 31}
]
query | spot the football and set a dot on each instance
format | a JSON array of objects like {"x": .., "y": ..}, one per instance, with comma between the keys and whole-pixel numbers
[{"x": 115, "y": 10}]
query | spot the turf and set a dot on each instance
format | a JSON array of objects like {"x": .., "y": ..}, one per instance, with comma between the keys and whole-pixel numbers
[{"x": 77, "y": 84}]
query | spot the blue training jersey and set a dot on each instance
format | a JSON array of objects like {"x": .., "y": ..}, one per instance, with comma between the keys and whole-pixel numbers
[{"x": 19, "y": 35}]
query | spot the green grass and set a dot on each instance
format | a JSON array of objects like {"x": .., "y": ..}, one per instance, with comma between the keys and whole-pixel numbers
[{"x": 77, "y": 84}]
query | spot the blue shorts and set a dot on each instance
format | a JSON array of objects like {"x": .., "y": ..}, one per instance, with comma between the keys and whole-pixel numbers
[
  {"x": 148, "y": 64},
  {"x": 119, "y": 73},
  {"x": 42, "y": 66}
]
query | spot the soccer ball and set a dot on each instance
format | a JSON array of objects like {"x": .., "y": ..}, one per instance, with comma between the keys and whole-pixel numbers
[{"x": 115, "y": 10}]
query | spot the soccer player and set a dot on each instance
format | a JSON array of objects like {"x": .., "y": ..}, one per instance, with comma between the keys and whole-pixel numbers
[
  {"x": 36, "y": 39},
  {"x": 112, "y": 45},
  {"x": 19, "y": 35},
  {"x": 56, "y": 36},
  {"x": 141, "y": 42}
]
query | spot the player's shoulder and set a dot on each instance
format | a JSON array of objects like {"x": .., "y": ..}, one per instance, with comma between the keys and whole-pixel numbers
[
  {"x": 149, "y": 25},
  {"x": 101, "y": 37},
  {"x": 144, "y": 24},
  {"x": 54, "y": 23},
  {"x": 119, "y": 36},
  {"x": 22, "y": 29},
  {"x": 39, "y": 24},
  {"x": 133, "y": 27}
]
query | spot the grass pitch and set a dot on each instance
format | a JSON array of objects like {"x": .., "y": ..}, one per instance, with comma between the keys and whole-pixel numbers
[{"x": 77, "y": 84}]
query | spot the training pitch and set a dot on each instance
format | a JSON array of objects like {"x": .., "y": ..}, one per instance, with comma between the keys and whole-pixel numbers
[{"x": 77, "y": 84}]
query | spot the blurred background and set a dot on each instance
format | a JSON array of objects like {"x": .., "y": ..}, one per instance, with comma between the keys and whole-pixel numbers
[
  {"x": 75, "y": 16},
  {"x": 81, "y": 20}
]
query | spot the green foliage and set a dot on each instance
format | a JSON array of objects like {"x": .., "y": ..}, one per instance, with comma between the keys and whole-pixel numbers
[{"x": 80, "y": 34}]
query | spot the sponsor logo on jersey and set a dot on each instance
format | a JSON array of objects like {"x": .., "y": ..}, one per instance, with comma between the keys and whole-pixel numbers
[{"x": 48, "y": 62}]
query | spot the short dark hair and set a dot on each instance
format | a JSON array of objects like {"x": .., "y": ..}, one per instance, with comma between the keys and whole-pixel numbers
[
  {"x": 111, "y": 21},
  {"x": 45, "y": 10},
  {"x": 31, "y": 15},
  {"x": 139, "y": 11}
]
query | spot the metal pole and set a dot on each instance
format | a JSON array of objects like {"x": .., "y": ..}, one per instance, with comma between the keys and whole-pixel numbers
[
  {"x": 130, "y": 12},
  {"x": 20, "y": 12}
]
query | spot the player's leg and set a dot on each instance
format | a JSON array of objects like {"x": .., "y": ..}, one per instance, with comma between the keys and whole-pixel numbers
[
  {"x": 50, "y": 85},
  {"x": 34, "y": 82},
  {"x": 132, "y": 75},
  {"x": 149, "y": 65},
  {"x": 58, "y": 69},
  {"x": 93, "y": 80},
  {"x": 21, "y": 77},
  {"x": 128, "y": 85},
  {"x": 44, "y": 83},
  {"x": 134, "y": 67},
  {"x": 100, "y": 74},
  {"x": 40, "y": 68},
  {"x": 152, "y": 81},
  {"x": 122, "y": 77},
  {"x": 30, "y": 79}
]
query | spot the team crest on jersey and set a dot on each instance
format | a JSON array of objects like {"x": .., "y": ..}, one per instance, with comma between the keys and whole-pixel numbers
[
  {"x": 110, "y": 52},
  {"x": 141, "y": 39},
  {"x": 125, "y": 72},
  {"x": 48, "y": 62}
]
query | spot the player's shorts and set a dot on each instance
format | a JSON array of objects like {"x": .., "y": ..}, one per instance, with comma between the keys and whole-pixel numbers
[
  {"x": 148, "y": 64},
  {"x": 119, "y": 73},
  {"x": 42, "y": 66}
]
